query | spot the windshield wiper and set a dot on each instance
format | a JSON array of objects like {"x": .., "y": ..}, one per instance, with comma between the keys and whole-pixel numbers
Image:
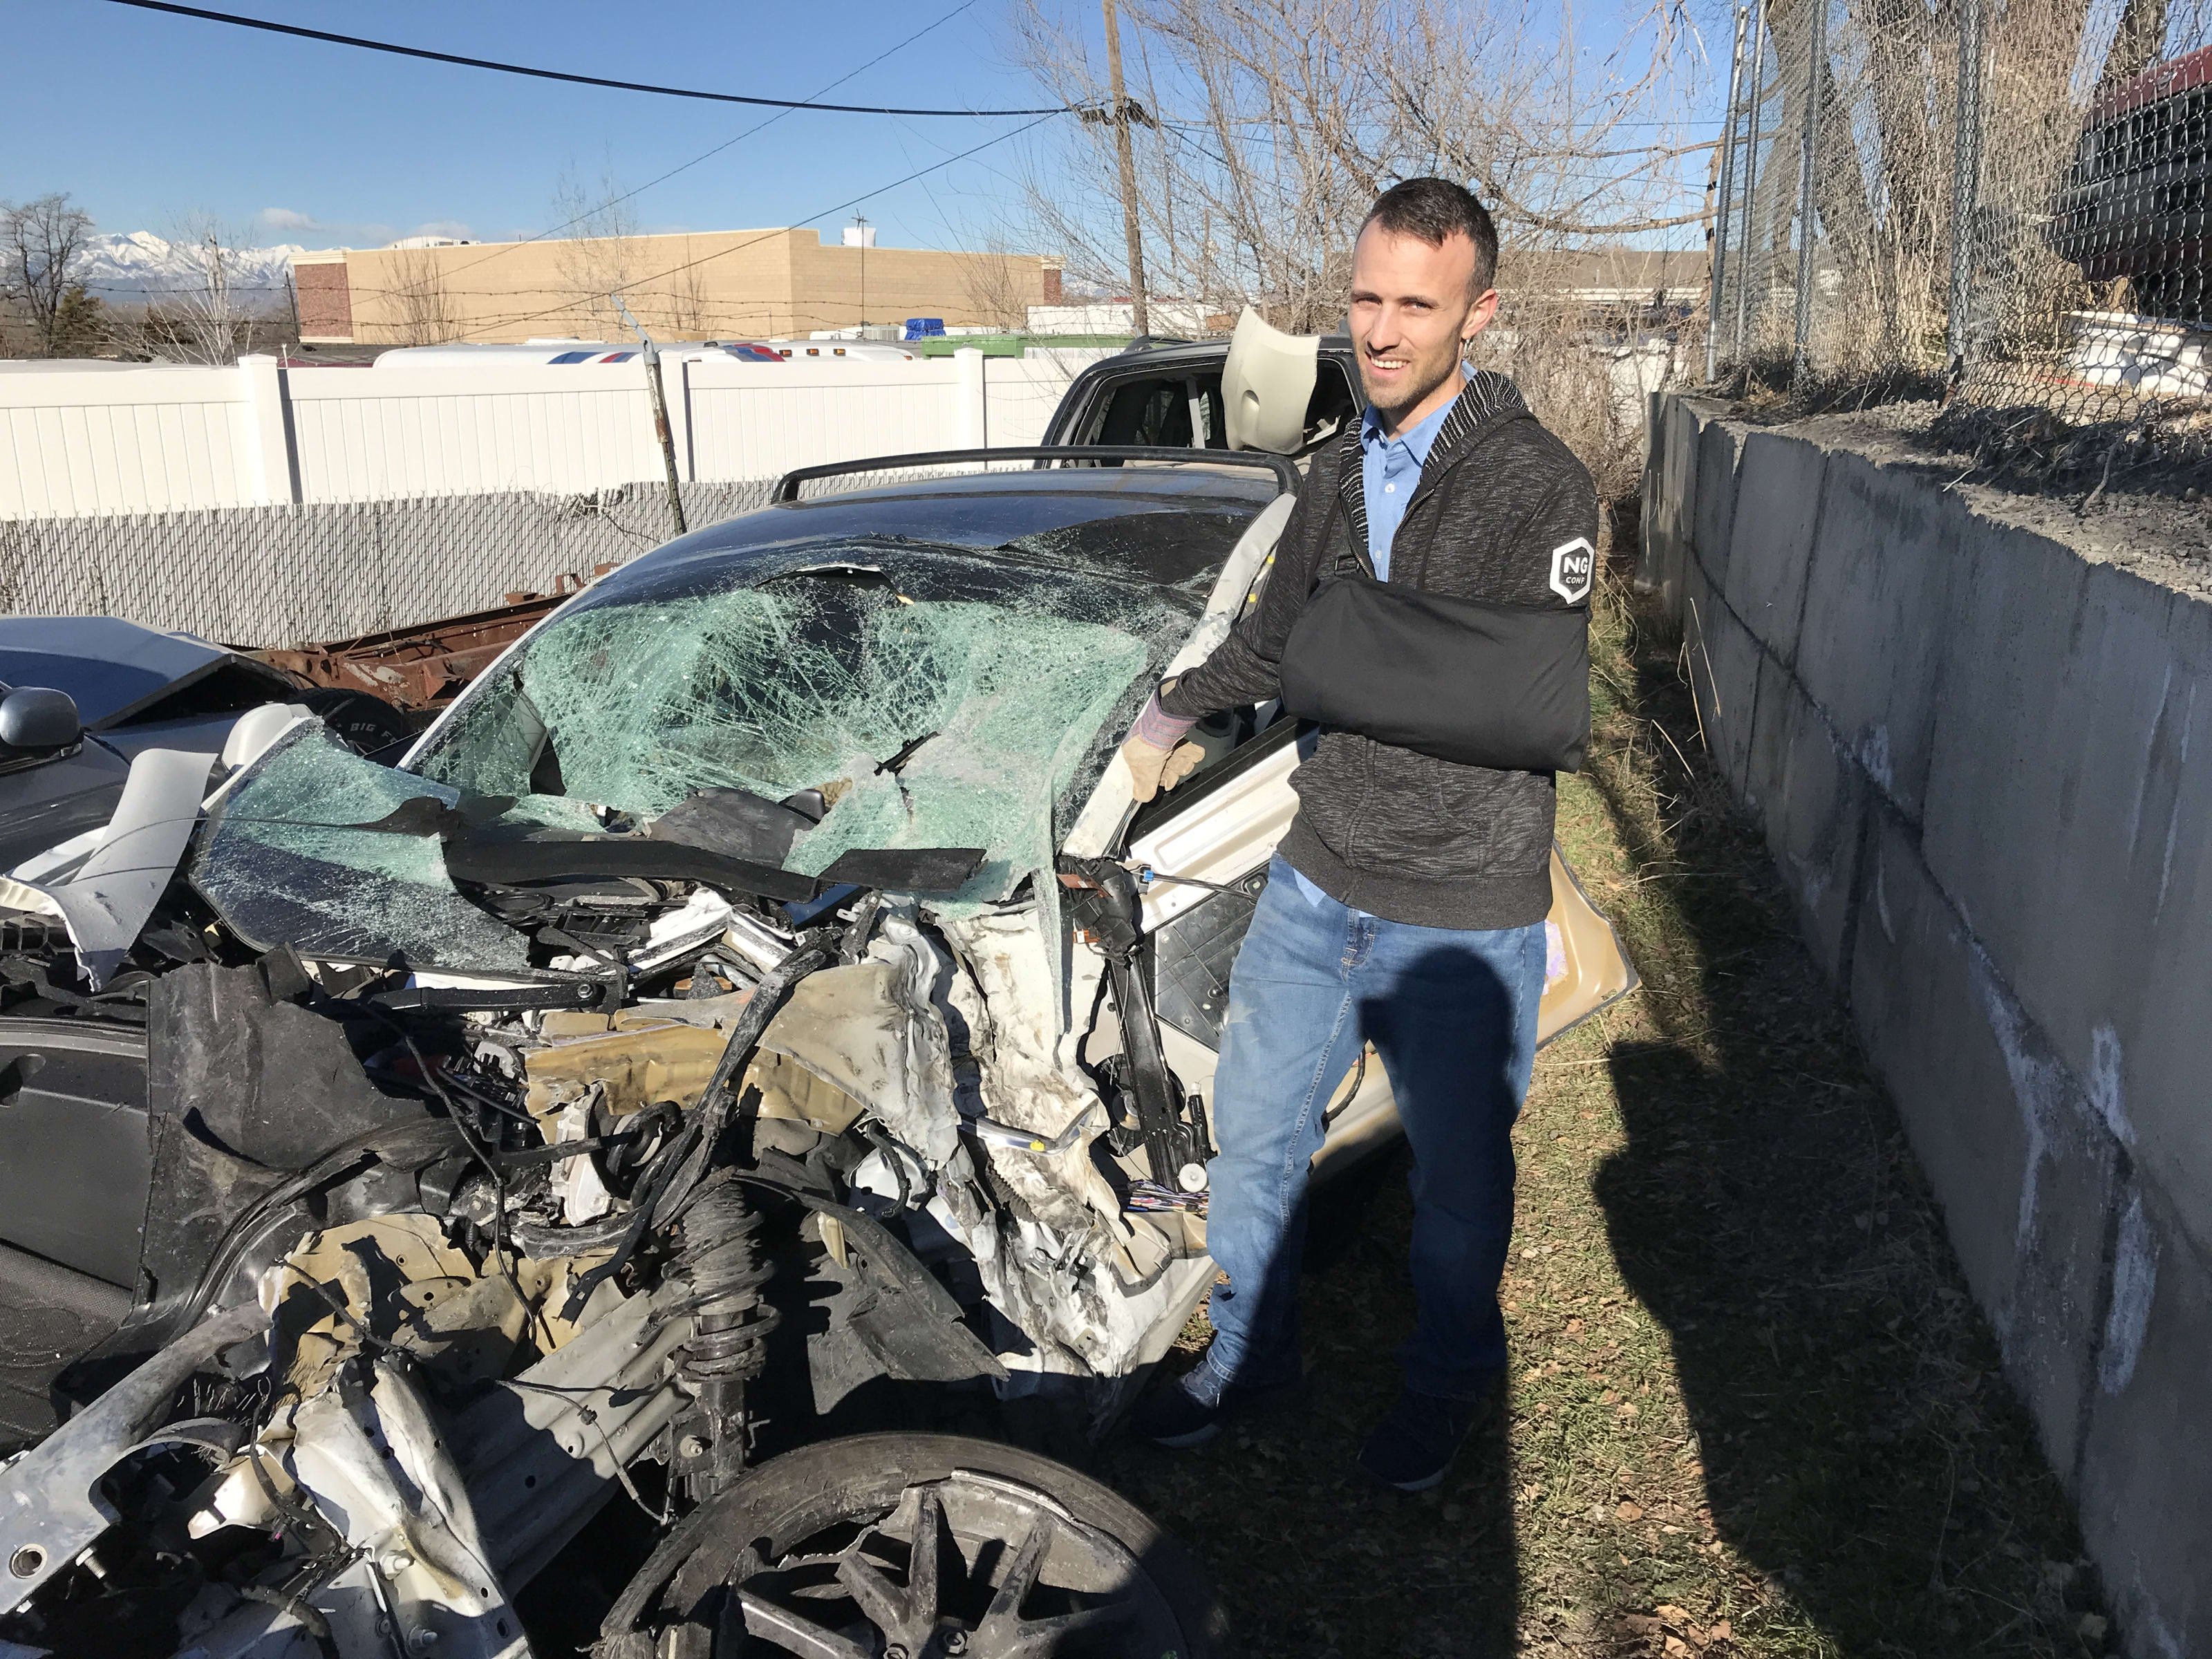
[{"x": 904, "y": 755}]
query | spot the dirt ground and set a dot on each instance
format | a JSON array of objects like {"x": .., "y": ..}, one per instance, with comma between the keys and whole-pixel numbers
[
  {"x": 2152, "y": 516},
  {"x": 1751, "y": 1409}
]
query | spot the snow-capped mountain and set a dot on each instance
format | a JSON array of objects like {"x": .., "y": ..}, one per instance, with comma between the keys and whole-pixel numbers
[{"x": 140, "y": 266}]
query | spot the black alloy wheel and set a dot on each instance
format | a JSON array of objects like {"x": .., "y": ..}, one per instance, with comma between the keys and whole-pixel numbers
[{"x": 920, "y": 1546}]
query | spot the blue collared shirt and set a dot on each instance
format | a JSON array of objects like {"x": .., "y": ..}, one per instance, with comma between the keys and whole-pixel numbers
[{"x": 1389, "y": 472}]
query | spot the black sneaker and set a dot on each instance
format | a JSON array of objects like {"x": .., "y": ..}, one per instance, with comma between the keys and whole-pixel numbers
[
  {"x": 1190, "y": 1410},
  {"x": 1416, "y": 1442}
]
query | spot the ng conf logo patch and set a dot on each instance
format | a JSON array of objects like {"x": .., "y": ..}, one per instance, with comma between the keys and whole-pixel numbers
[{"x": 1574, "y": 566}]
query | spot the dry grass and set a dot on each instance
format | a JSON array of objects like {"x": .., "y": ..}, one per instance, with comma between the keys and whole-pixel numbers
[
  {"x": 1752, "y": 1409},
  {"x": 1559, "y": 355}
]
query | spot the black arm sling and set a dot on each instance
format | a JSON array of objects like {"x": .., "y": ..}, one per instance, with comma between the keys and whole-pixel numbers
[{"x": 1471, "y": 681}]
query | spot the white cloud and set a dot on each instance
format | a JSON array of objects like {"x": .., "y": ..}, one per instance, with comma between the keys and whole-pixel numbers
[{"x": 291, "y": 221}]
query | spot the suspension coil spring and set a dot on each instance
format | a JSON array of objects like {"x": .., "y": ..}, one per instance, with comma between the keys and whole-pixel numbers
[{"x": 730, "y": 1323}]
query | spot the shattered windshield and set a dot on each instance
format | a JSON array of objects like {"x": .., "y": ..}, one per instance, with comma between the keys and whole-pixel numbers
[
  {"x": 936, "y": 697},
  {"x": 284, "y": 858}
]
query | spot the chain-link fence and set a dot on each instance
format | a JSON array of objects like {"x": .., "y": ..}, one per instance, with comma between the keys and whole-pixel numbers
[
  {"x": 1999, "y": 204},
  {"x": 287, "y": 576}
]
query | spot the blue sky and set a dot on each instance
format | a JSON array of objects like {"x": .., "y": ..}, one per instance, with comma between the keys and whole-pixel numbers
[{"x": 145, "y": 118}]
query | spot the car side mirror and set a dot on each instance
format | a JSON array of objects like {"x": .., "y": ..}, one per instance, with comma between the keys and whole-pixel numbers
[{"x": 33, "y": 717}]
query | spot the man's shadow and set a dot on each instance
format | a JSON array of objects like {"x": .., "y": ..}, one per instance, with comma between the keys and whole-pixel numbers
[
  {"x": 1313, "y": 1557},
  {"x": 1448, "y": 1572},
  {"x": 1856, "y": 1442}
]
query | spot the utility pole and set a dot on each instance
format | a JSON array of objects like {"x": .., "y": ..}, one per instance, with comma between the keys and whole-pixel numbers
[
  {"x": 1142, "y": 317},
  {"x": 660, "y": 413},
  {"x": 1721, "y": 217},
  {"x": 861, "y": 221}
]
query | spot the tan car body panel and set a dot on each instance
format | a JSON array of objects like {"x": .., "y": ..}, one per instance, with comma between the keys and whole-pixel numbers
[{"x": 1598, "y": 971}]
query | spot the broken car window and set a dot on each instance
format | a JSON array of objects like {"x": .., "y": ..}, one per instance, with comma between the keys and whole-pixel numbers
[
  {"x": 988, "y": 679},
  {"x": 1146, "y": 411},
  {"x": 282, "y": 860}
]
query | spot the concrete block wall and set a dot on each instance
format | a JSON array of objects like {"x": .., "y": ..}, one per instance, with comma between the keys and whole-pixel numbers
[{"x": 1982, "y": 764}]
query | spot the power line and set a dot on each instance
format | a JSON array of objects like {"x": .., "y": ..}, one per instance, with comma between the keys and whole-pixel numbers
[
  {"x": 682, "y": 166},
  {"x": 147, "y": 290},
  {"x": 782, "y": 114},
  {"x": 554, "y": 75}
]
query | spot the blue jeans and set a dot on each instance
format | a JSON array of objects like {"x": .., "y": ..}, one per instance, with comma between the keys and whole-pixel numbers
[{"x": 1453, "y": 1015}]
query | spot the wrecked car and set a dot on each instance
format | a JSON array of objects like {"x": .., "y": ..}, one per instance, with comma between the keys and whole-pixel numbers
[{"x": 753, "y": 1012}]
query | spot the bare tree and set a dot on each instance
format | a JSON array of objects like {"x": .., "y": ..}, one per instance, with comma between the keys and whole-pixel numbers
[
  {"x": 1883, "y": 178},
  {"x": 684, "y": 298},
  {"x": 997, "y": 287},
  {"x": 597, "y": 253},
  {"x": 2136, "y": 44},
  {"x": 211, "y": 314},
  {"x": 40, "y": 240},
  {"x": 428, "y": 315},
  {"x": 1269, "y": 127},
  {"x": 1265, "y": 130}
]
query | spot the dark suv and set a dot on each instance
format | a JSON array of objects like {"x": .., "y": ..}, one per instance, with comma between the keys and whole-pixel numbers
[{"x": 1167, "y": 392}]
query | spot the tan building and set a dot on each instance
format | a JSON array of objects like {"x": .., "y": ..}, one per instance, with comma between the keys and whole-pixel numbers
[
  {"x": 713, "y": 285},
  {"x": 1604, "y": 275}
]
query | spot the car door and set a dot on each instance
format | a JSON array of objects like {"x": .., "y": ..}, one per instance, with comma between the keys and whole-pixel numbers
[{"x": 1220, "y": 827}]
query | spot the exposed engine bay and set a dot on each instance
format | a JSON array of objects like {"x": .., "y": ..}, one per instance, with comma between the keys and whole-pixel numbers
[
  {"x": 442, "y": 1262},
  {"x": 506, "y": 1149}
]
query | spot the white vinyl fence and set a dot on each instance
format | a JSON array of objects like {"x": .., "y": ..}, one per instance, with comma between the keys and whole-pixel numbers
[
  {"x": 261, "y": 506},
  {"x": 165, "y": 439}
]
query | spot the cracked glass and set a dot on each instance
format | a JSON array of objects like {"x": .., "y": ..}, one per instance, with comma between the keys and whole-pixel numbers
[
  {"x": 284, "y": 858},
  {"x": 935, "y": 696}
]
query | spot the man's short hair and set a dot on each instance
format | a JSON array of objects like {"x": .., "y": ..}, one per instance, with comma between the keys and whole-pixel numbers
[{"x": 1436, "y": 210}]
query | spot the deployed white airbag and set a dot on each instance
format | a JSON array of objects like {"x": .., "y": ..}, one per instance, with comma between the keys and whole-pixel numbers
[
  {"x": 1267, "y": 385},
  {"x": 107, "y": 899}
]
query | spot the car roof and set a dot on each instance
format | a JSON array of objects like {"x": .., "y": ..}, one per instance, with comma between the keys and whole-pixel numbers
[
  {"x": 1134, "y": 488},
  {"x": 1195, "y": 351},
  {"x": 1158, "y": 523},
  {"x": 111, "y": 668}
]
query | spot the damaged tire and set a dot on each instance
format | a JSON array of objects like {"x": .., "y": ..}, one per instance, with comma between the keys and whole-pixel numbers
[
  {"x": 921, "y": 1545},
  {"x": 365, "y": 724}
]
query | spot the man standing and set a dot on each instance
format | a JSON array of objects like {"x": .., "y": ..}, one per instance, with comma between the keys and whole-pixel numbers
[{"x": 1405, "y": 904}]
